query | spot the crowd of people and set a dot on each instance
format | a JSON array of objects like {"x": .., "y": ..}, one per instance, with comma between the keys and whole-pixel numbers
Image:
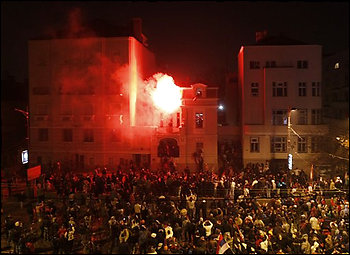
[{"x": 139, "y": 211}]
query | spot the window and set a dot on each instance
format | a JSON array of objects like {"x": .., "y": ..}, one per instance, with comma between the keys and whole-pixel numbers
[
  {"x": 43, "y": 134},
  {"x": 302, "y": 89},
  {"x": 336, "y": 66},
  {"x": 115, "y": 135},
  {"x": 88, "y": 135},
  {"x": 302, "y": 64},
  {"x": 302, "y": 117},
  {"x": 67, "y": 135},
  {"x": 279, "y": 89},
  {"x": 199, "y": 120},
  {"x": 316, "y": 89},
  {"x": 302, "y": 145},
  {"x": 279, "y": 117},
  {"x": 316, "y": 144},
  {"x": 254, "y": 64},
  {"x": 316, "y": 116},
  {"x": 270, "y": 64},
  {"x": 177, "y": 119},
  {"x": 254, "y": 144},
  {"x": 278, "y": 144},
  {"x": 254, "y": 89}
]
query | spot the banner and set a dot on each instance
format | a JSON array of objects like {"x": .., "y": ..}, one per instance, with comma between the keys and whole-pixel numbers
[{"x": 33, "y": 172}]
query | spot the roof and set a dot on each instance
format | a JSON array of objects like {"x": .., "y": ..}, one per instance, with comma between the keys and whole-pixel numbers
[
  {"x": 279, "y": 40},
  {"x": 93, "y": 28}
]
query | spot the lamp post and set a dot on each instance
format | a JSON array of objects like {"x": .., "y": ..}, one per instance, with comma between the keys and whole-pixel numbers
[
  {"x": 26, "y": 115},
  {"x": 289, "y": 147}
]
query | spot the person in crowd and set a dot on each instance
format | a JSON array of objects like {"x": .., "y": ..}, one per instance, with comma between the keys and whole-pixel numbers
[{"x": 142, "y": 211}]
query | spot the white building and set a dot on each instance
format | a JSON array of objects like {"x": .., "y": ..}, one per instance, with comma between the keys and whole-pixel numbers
[{"x": 276, "y": 75}]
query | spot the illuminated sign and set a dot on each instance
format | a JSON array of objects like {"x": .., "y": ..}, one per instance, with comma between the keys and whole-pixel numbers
[
  {"x": 24, "y": 157},
  {"x": 290, "y": 161}
]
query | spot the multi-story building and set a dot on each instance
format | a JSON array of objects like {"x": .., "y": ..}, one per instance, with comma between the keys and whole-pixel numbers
[
  {"x": 277, "y": 75},
  {"x": 83, "y": 99},
  {"x": 192, "y": 129},
  {"x": 88, "y": 107},
  {"x": 229, "y": 132},
  {"x": 336, "y": 108}
]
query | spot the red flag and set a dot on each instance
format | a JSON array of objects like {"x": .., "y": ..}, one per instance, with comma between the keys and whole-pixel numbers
[{"x": 219, "y": 241}]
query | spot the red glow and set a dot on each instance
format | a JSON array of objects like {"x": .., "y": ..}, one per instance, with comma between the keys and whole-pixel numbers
[{"x": 167, "y": 95}]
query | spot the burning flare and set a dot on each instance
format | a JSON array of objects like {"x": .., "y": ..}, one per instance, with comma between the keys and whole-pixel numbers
[{"x": 167, "y": 95}]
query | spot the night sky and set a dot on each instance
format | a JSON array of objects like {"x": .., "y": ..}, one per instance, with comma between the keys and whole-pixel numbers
[{"x": 192, "y": 41}]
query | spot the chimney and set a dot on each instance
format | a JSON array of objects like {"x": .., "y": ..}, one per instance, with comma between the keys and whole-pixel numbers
[
  {"x": 260, "y": 35},
  {"x": 137, "y": 28}
]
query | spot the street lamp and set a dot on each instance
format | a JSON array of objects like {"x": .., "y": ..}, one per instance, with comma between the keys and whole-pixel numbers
[
  {"x": 26, "y": 115},
  {"x": 289, "y": 147}
]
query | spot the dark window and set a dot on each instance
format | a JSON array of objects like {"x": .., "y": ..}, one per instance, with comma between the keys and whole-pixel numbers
[
  {"x": 302, "y": 117},
  {"x": 255, "y": 89},
  {"x": 316, "y": 117},
  {"x": 278, "y": 144},
  {"x": 254, "y": 64},
  {"x": 254, "y": 144},
  {"x": 279, "y": 117},
  {"x": 302, "y": 89},
  {"x": 302, "y": 145},
  {"x": 177, "y": 119},
  {"x": 316, "y": 144},
  {"x": 43, "y": 135},
  {"x": 316, "y": 89},
  {"x": 279, "y": 89},
  {"x": 89, "y": 135},
  {"x": 270, "y": 64},
  {"x": 199, "y": 120},
  {"x": 302, "y": 64},
  {"x": 67, "y": 135}
]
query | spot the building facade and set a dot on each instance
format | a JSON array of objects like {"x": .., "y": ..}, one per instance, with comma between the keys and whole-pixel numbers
[
  {"x": 88, "y": 108},
  {"x": 192, "y": 129},
  {"x": 275, "y": 77},
  {"x": 336, "y": 109},
  {"x": 83, "y": 100}
]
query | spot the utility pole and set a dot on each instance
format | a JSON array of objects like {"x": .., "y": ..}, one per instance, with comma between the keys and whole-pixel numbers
[{"x": 289, "y": 146}]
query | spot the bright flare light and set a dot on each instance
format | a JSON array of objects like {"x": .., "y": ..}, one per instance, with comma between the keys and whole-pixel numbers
[{"x": 166, "y": 96}]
